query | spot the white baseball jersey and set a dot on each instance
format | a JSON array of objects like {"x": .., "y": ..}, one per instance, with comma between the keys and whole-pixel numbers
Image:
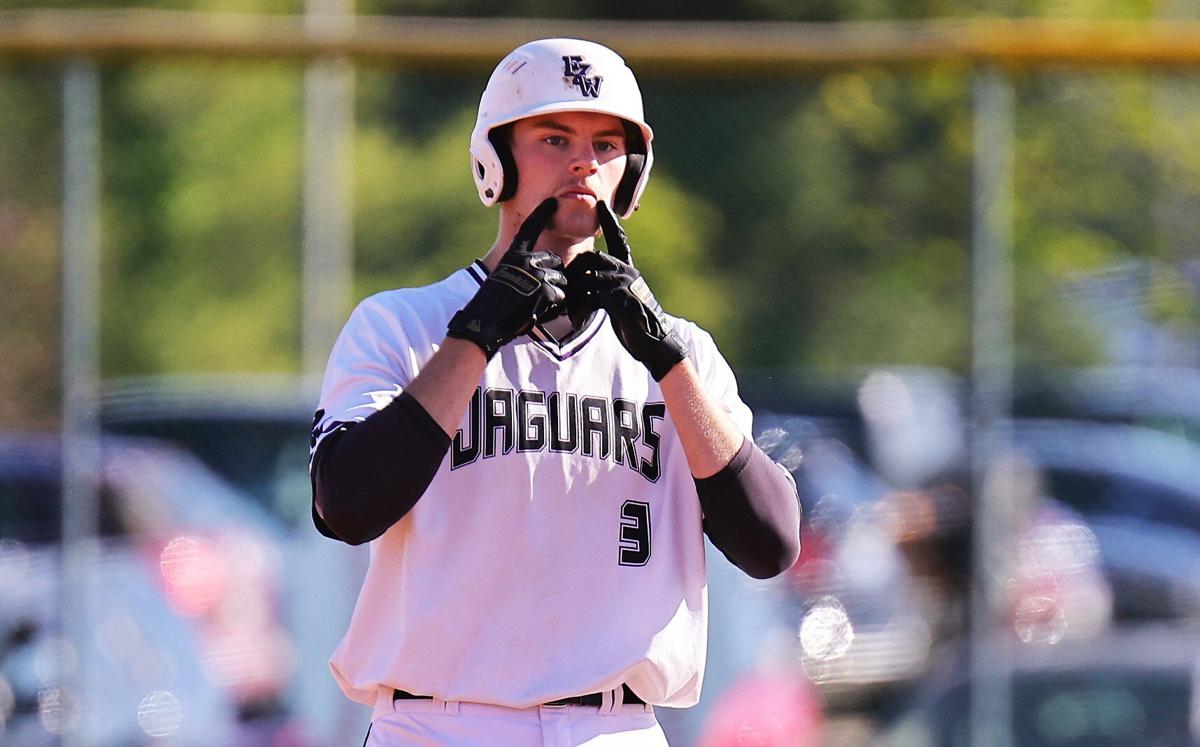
[{"x": 558, "y": 550}]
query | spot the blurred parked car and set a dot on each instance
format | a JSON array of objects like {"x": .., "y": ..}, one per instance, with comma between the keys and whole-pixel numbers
[
  {"x": 857, "y": 623},
  {"x": 1136, "y": 492},
  {"x": 1139, "y": 491},
  {"x": 1114, "y": 497},
  {"x": 183, "y": 589},
  {"x": 1117, "y": 470},
  {"x": 1129, "y": 687},
  {"x": 1111, "y": 445},
  {"x": 254, "y": 432},
  {"x": 1165, "y": 399}
]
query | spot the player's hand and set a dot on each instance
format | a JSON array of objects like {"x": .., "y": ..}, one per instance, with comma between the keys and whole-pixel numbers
[
  {"x": 527, "y": 287},
  {"x": 611, "y": 282}
]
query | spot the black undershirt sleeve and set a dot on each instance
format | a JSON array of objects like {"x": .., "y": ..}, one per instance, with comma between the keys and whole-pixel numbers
[
  {"x": 752, "y": 513},
  {"x": 367, "y": 475}
]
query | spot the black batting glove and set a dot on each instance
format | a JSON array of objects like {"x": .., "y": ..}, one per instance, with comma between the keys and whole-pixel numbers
[
  {"x": 611, "y": 282},
  {"x": 527, "y": 287}
]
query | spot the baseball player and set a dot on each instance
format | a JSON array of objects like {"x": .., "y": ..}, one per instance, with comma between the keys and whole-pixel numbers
[{"x": 534, "y": 450}]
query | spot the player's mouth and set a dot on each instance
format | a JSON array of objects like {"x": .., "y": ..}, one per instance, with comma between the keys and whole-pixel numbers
[{"x": 578, "y": 193}]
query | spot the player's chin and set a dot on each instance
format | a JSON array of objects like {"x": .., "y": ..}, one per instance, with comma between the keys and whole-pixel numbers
[{"x": 575, "y": 221}]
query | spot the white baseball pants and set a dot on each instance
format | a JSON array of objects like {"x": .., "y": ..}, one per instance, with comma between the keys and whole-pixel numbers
[{"x": 437, "y": 723}]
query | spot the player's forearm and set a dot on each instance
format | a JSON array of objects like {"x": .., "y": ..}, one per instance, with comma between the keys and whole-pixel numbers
[
  {"x": 445, "y": 384},
  {"x": 751, "y": 510},
  {"x": 709, "y": 437}
]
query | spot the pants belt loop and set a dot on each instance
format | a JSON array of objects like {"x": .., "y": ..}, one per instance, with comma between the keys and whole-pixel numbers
[
  {"x": 446, "y": 706},
  {"x": 610, "y": 701}
]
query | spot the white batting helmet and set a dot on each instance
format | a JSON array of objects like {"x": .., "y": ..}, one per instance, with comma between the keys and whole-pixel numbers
[{"x": 559, "y": 75}]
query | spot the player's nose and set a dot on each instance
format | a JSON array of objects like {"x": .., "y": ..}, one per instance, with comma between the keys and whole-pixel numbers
[{"x": 585, "y": 160}]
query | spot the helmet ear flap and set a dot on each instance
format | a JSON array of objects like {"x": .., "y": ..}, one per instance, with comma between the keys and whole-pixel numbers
[
  {"x": 635, "y": 164},
  {"x": 500, "y": 137},
  {"x": 488, "y": 170}
]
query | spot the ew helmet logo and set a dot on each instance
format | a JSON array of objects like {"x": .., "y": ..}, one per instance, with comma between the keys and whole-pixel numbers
[{"x": 576, "y": 70}]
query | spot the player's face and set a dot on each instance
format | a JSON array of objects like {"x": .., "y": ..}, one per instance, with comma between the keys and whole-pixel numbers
[{"x": 577, "y": 157}]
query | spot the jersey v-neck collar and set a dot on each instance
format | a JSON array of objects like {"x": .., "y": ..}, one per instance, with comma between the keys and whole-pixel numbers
[
  {"x": 558, "y": 349},
  {"x": 573, "y": 342}
]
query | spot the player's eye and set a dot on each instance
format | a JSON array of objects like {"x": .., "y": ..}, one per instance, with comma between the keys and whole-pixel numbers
[
  {"x": 554, "y": 140},
  {"x": 605, "y": 146}
]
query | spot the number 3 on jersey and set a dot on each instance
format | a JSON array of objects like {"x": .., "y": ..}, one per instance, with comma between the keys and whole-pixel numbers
[{"x": 635, "y": 533}]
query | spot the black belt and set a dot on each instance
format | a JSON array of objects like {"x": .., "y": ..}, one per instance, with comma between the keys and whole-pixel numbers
[{"x": 591, "y": 699}]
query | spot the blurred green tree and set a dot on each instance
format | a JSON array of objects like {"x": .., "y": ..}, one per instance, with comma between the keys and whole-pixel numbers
[
  {"x": 202, "y": 212},
  {"x": 30, "y": 255}
]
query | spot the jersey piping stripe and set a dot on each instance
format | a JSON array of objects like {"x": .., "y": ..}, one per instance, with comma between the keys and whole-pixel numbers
[
  {"x": 478, "y": 271},
  {"x": 560, "y": 351}
]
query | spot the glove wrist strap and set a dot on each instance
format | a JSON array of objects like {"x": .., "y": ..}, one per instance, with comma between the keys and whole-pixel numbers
[{"x": 467, "y": 327}]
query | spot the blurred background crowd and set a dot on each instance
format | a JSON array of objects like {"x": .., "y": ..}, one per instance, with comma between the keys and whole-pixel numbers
[{"x": 961, "y": 294}]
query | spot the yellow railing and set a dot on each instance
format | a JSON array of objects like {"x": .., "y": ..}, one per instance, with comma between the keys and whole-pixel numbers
[{"x": 675, "y": 46}]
